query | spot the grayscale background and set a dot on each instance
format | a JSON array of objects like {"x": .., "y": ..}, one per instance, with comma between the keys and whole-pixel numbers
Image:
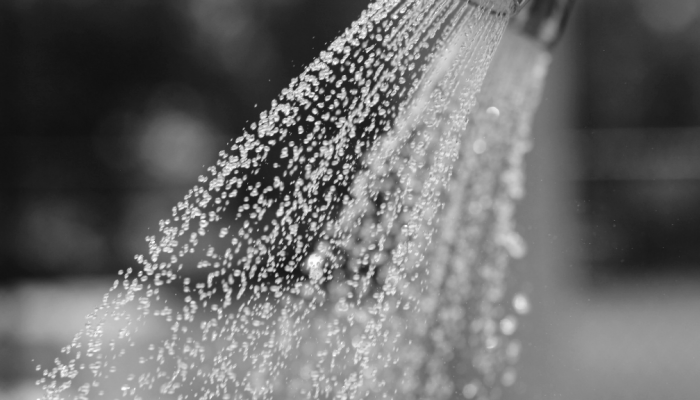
[{"x": 109, "y": 110}]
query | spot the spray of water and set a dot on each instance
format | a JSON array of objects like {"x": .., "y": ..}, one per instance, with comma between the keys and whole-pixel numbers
[{"x": 352, "y": 243}]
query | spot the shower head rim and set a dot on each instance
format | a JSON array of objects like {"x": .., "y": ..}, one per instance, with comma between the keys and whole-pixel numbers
[{"x": 517, "y": 5}]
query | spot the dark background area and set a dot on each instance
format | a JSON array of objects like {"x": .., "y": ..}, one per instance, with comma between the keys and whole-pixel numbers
[
  {"x": 110, "y": 110},
  {"x": 639, "y": 120}
]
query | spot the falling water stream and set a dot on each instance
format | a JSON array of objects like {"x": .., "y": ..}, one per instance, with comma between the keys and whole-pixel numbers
[{"x": 352, "y": 243}]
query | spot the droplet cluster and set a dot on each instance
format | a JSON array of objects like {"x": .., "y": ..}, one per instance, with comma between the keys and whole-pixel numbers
[{"x": 352, "y": 243}]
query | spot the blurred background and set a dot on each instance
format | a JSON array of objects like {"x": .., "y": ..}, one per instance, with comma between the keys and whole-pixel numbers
[{"x": 110, "y": 110}]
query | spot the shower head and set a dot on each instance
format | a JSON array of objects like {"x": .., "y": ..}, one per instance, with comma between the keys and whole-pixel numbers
[
  {"x": 500, "y": 7},
  {"x": 544, "y": 20}
]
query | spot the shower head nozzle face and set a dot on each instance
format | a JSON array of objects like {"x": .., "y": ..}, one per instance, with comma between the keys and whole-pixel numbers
[{"x": 500, "y": 6}]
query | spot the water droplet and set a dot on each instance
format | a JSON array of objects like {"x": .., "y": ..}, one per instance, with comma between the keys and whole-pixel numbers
[
  {"x": 479, "y": 146},
  {"x": 470, "y": 390},
  {"x": 493, "y": 111},
  {"x": 491, "y": 342},
  {"x": 509, "y": 377},
  {"x": 513, "y": 351},
  {"x": 342, "y": 306},
  {"x": 314, "y": 267},
  {"x": 509, "y": 325},
  {"x": 521, "y": 304}
]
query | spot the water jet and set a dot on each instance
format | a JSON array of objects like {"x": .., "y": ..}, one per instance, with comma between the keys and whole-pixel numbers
[{"x": 371, "y": 261}]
